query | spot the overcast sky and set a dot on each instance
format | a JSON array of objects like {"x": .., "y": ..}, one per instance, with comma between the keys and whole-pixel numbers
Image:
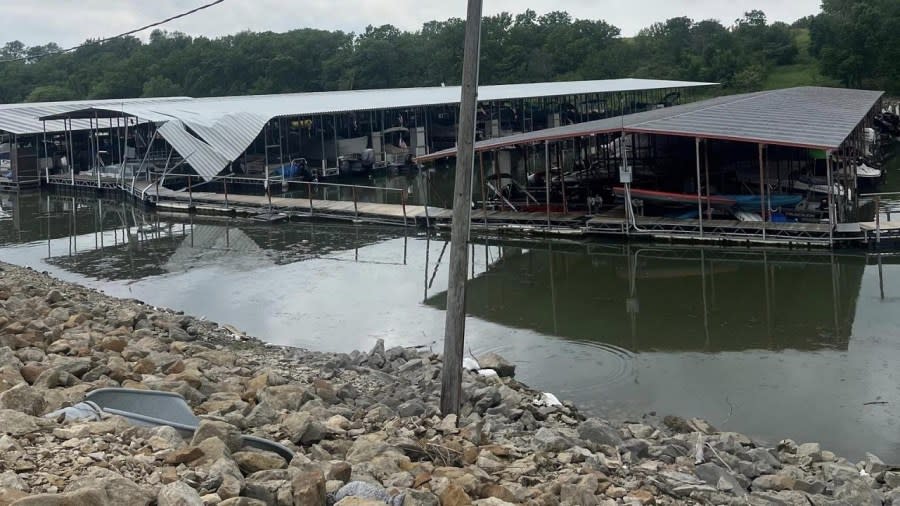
[{"x": 69, "y": 22}]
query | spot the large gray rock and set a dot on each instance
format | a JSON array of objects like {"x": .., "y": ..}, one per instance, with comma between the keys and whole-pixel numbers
[
  {"x": 85, "y": 496},
  {"x": 412, "y": 407},
  {"x": 226, "y": 473},
  {"x": 285, "y": 397},
  {"x": 272, "y": 488},
  {"x": 550, "y": 440},
  {"x": 858, "y": 493},
  {"x": 16, "y": 423},
  {"x": 718, "y": 477},
  {"x": 892, "y": 479},
  {"x": 308, "y": 487},
  {"x": 369, "y": 491},
  {"x": 165, "y": 437},
  {"x": 116, "y": 487},
  {"x": 178, "y": 493},
  {"x": 365, "y": 449},
  {"x": 252, "y": 461},
  {"x": 599, "y": 432},
  {"x": 242, "y": 501},
  {"x": 229, "y": 434},
  {"x": 10, "y": 479},
  {"x": 420, "y": 498},
  {"x": 24, "y": 398},
  {"x": 261, "y": 414},
  {"x": 497, "y": 363}
]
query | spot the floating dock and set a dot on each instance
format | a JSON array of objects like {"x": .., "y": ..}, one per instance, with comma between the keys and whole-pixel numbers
[{"x": 574, "y": 223}]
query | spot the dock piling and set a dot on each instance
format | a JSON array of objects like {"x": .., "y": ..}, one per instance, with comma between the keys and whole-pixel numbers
[
  {"x": 402, "y": 199},
  {"x": 455, "y": 324}
]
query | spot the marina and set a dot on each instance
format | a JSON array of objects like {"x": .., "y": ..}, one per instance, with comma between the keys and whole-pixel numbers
[
  {"x": 727, "y": 170},
  {"x": 748, "y": 339}
]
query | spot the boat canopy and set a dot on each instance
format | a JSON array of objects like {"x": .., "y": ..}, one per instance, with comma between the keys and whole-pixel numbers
[
  {"x": 806, "y": 117},
  {"x": 228, "y": 125}
]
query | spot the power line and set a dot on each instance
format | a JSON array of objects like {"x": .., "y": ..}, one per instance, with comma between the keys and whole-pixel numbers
[{"x": 130, "y": 32}]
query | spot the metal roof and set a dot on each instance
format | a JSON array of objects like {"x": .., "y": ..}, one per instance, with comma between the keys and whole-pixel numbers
[
  {"x": 229, "y": 124},
  {"x": 23, "y": 119},
  {"x": 204, "y": 159},
  {"x": 808, "y": 117}
]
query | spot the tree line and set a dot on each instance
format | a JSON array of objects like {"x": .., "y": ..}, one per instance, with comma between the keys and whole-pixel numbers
[{"x": 851, "y": 42}]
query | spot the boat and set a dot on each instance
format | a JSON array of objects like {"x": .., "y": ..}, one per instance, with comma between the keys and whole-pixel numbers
[
  {"x": 676, "y": 198},
  {"x": 816, "y": 185},
  {"x": 753, "y": 202},
  {"x": 5, "y": 162},
  {"x": 747, "y": 216},
  {"x": 297, "y": 169},
  {"x": 864, "y": 171},
  {"x": 328, "y": 150}
]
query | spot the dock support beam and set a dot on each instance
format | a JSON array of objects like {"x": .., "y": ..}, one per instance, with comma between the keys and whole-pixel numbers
[
  {"x": 830, "y": 199},
  {"x": 762, "y": 190},
  {"x": 455, "y": 328},
  {"x": 547, "y": 179},
  {"x": 699, "y": 188}
]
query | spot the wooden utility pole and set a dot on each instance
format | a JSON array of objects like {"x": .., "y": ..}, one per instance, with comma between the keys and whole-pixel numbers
[{"x": 455, "y": 327}]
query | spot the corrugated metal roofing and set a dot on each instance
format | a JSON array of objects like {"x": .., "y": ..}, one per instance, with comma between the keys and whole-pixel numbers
[
  {"x": 206, "y": 161},
  {"x": 229, "y": 124},
  {"x": 23, "y": 119},
  {"x": 811, "y": 117},
  {"x": 808, "y": 117}
]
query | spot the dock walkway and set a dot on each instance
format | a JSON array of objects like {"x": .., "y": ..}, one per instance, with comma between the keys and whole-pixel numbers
[{"x": 611, "y": 223}]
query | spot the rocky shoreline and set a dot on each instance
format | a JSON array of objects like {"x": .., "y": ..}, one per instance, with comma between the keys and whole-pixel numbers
[{"x": 365, "y": 427}]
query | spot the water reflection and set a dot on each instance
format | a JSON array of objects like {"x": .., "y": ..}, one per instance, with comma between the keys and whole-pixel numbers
[
  {"x": 651, "y": 299},
  {"x": 111, "y": 240},
  {"x": 771, "y": 343}
]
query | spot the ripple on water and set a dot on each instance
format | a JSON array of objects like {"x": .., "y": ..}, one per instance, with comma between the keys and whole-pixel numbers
[{"x": 571, "y": 368}]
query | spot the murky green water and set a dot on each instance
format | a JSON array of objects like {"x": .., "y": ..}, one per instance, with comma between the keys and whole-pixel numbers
[{"x": 774, "y": 344}]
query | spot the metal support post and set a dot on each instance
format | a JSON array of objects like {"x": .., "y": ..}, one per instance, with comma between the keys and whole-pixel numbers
[
  {"x": 762, "y": 191},
  {"x": 403, "y": 197},
  {"x": 878, "y": 220},
  {"x": 830, "y": 199},
  {"x": 547, "y": 179},
  {"x": 699, "y": 188}
]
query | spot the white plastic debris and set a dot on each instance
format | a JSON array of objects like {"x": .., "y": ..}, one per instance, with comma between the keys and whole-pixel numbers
[
  {"x": 470, "y": 364},
  {"x": 698, "y": 450},
  {"x": 547, "y": 399},
  {"x": 82, "y": 411},
  {"x": 488, "y": 373}
]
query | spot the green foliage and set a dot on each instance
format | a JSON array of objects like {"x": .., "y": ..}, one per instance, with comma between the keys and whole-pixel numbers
[
  {"x": 159, "y": 86},
  {"x": 50, "y": 93},
  {"x": 858, "y": 42},
  {"x": 853, "y": 41}
]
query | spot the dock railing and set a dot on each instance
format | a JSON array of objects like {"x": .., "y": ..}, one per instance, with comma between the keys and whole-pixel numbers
[
  {"x": 314, "y": 192},
  {"x": 877, "y": 197}
]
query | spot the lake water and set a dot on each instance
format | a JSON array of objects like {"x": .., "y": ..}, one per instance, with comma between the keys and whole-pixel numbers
[{"x": 774, "y": 344}]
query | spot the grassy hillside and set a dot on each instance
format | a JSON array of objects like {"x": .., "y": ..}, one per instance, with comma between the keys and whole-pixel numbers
[{"x": 805, "y": 72}]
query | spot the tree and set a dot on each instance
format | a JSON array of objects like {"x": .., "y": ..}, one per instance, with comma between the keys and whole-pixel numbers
[
  {"x": 855, "y": 41},
  {"x": 50, "y": 93},
  {"x": 158, "y": 86}
]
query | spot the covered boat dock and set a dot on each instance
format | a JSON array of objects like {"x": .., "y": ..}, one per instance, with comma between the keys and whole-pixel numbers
[
  {"x": 260, "y": 139},
  {"x": 750, "y": 146},
  {"x": 30, "y": 147}
]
